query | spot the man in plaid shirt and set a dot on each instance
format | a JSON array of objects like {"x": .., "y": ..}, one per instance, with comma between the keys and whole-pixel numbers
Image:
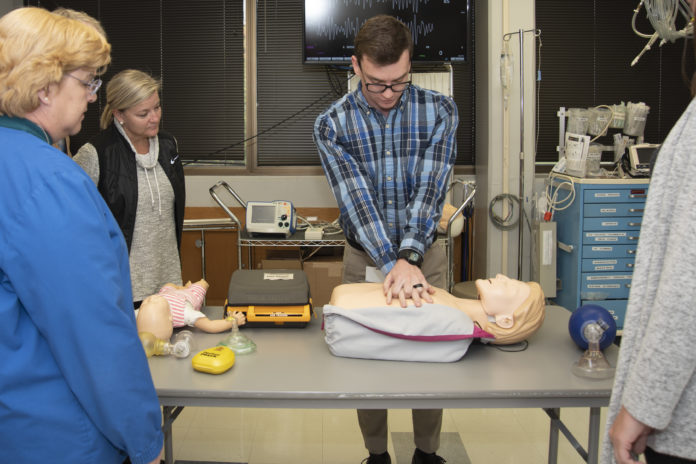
[{"x": 387, "y": 150}]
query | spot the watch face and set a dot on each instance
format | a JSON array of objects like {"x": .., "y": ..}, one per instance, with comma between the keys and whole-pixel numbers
[{"x": 412, "y": 257}]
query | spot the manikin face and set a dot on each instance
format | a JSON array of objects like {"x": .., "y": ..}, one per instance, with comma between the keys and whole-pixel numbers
[
  {"x": 141, "y": 121},
  {"x": 371, "y": 73},
  {"x": 154, "y": 317},
  {"x": 501, "y": 296}
]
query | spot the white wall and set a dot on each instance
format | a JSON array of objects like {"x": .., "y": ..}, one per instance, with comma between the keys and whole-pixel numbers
[{"x": 308, "y": 191}]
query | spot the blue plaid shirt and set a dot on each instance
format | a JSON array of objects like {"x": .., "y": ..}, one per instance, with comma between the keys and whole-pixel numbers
[{"x": 389, "y": 174}]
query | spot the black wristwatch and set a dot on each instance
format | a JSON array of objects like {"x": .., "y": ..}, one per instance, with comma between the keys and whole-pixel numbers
[{"x": 411, "y": 256}]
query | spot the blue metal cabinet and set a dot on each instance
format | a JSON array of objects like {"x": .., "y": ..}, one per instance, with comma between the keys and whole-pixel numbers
[{"x": 598, "y": 237}]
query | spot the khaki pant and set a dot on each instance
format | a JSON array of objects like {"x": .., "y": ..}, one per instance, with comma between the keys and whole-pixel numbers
[{"x": 373, "y": 422}]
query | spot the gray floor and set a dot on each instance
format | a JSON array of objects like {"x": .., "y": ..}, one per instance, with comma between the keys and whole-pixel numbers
[
  {"x": 332, "y": 436},
  {"x": 451, "y": 447}
]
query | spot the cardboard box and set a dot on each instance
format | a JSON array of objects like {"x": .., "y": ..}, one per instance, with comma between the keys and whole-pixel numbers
[
  {"x": 323, "y": 274},
  {"x": 281, "y": 259},
  {"x": 281, "y": 264}
]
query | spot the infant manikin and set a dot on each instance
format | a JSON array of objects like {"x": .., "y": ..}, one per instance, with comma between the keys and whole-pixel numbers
[{"x": 179, "y": 306}]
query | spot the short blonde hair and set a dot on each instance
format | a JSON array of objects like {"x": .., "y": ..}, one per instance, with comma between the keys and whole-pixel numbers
[
  {"x": 82, "y": 17},
  {"x": 527, "y": 318},
  {"x": 125, "y": 90},
  {"x": 37, "y": 48}
]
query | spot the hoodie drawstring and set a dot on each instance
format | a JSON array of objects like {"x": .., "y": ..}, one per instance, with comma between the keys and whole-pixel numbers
[{"x": 152, "y": 196}]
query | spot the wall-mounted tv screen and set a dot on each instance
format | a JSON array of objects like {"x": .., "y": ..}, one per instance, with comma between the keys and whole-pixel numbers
[{"x": 440, "y": 28}]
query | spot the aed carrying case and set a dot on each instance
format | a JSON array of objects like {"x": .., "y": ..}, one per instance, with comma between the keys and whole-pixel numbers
[{"x": 270, "y": 297}]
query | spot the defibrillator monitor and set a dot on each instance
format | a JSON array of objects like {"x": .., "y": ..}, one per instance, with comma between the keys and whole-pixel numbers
[
  {"x": 640, "y": 155},
  {"x": 270, "y": 217}
]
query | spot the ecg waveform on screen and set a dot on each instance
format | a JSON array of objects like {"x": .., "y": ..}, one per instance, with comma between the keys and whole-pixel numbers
[
  {"x": 350, "y": 27},
  {"x": 395, "y": 4},
  {"x": 438, "y": 27}
]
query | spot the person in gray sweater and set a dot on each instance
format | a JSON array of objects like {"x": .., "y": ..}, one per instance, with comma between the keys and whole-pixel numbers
[
  {"x": 653, "y": 402},
  {"x": 138, "y": 171}
]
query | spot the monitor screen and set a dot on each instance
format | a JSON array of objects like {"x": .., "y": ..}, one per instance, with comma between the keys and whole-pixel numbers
[
  {"x": 440, "y": 28},
  {"x": 263, "y": 214},
  {"x": 645, "y": 153}
]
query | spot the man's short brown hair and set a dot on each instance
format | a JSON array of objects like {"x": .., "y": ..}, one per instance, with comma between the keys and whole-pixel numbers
[{"x": 383, "y": 39}]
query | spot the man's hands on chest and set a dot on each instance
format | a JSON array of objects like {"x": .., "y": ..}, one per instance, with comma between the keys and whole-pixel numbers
[{"x": 406, "y": 281}]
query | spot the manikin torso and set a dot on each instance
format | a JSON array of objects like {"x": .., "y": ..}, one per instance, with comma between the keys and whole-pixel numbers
[{"x": 498, "y": 298}]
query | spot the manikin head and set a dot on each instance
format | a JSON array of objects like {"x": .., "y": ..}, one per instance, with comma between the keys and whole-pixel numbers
[
  {"x": 518, "y": 307},
  {"x": 154, "y": 317},
  {"x": 500, "y": 296}
]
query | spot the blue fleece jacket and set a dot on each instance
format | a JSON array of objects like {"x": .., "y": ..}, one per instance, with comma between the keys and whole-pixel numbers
[{"x": 75, "y": 386}]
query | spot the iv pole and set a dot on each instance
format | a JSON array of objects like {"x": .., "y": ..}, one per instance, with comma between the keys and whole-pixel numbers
[{"x": 506, "y": 37}]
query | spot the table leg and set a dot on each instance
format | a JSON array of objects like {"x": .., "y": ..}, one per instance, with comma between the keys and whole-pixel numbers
[
  {"x": 169, "y": 415},
  {"x": 593, "y": 437},
  {"x": 554, "y": 414},
  {"x": 558, "y": 425}
]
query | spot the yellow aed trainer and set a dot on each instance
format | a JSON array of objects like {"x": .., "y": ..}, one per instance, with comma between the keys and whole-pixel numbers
[
  {"x": 270, "y": 297},
  {"x": 214, "y": 360}
]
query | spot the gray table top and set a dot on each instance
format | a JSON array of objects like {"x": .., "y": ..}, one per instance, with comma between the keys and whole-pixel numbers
[{"x": 293, "y": 368}]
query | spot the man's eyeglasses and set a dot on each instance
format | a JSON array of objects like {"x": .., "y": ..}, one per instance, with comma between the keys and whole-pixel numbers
[
  {"x": 381, "y": 88},
  {"x": 92, "y": 85}
]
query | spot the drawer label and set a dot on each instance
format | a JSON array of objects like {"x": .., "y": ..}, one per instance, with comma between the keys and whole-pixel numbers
[
  {"x": 605, "y": 261},
  {"x": 604, "y": 286},
  {"x": 603, "y": 268},
  {"x": 600, "y": 248},
  {"x": 607, "y": 195},
  {"x": 607, "y": 210},
  {"x": 610, "y": 224},
  {"x": 606, "y": 236},
  {"x": 610, "y": 277}
]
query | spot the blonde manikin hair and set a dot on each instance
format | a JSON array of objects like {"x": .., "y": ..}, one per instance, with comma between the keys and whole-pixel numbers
[{"x": 527, "y": 318}]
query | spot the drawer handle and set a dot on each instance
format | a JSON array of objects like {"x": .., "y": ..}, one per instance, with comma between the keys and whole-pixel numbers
[
  {"x": 643, "y": 195},
  {"x": 635, "y": 224},
  {"x": 631, "y": 252},
  {"x": 632, "y": 238},
  {"x": 636, "y": 210},
  {"x": 628, "y": 285},
  {"x": 629, "y": 265}
]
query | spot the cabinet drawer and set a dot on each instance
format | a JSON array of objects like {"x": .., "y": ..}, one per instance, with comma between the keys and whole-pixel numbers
[
  {"x": 608, "y": 265},
  {"x": 615, "y": 195},
  {"x": 613, "y": 210},
  {"x": 611, "y": 224},
  {"x": 602, "y": 286},
  {"x": 617, "y": 308},
  {"x": 618, "y": 237},
  {"x": 609, "y": 251}
]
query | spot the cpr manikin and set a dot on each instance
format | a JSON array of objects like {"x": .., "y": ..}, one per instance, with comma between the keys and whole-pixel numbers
[
  {"x": 179, "y": 306},
  {"x": 509, "y": 309}
]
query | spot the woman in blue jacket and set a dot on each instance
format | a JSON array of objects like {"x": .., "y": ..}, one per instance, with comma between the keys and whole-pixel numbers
[{"x": 75, "y": 386}]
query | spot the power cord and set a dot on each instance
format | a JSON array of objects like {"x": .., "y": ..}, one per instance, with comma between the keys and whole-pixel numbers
[
  {"x": 505, "y": 223},
  {"x": 551, "y": 192}
]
